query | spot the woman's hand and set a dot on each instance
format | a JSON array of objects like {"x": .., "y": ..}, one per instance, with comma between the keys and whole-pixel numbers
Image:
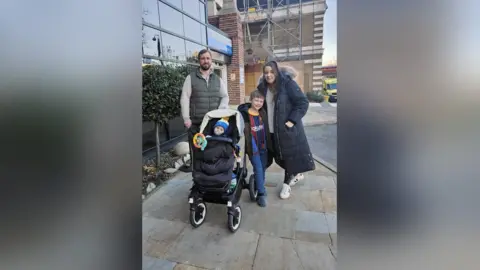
[{"x": 289, "y": 124}]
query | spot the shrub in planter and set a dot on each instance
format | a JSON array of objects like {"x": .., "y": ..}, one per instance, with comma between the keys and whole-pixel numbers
[
  {"x": 162, "y": 86},
  {"x": 315, "y": 96}
]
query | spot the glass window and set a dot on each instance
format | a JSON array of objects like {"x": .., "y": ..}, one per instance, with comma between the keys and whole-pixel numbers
[
  {"x": 192, "y": 7},
  {"x": 202, "y": 13},
  {"x": 203, "y": 33},
  {"x": 192, "y": 29},
  {"x": 170, "y": 19},
  {"x": 176, "y": 3},
  {"x": 173, "y": 47},
  {"x": 150, "y": 11},
  {"x": 150, "y": 41},
  {"x": 192, "y": 51}
]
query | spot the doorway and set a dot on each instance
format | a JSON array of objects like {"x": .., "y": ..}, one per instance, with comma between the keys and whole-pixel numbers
[{"x": 218, "y": 72}]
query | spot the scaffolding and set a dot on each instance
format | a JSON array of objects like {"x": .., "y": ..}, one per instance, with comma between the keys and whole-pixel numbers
[{"x": 282, "y": 19}]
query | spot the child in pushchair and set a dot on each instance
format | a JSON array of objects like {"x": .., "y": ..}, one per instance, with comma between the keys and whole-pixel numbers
[{"x": 218, "y": 167}]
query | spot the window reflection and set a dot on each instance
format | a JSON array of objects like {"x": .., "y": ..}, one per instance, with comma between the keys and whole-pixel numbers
[
  {"x": 176, "y": 3},
  {"x": 203, "y": 34},
  {"x": 192, "y": 7},
  {"x": 150, "y": 41},
  {"x": 192, "y": 29},
  {"x": 192, "y": 51},
  {"x": 173, "y": 47},
  {"x": 170, "y": 19},
  {"x": 202, "y": 13},
  {"x": 150, "y": 11}
]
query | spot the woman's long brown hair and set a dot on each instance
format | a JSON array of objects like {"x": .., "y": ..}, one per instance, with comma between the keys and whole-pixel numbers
[{"x": 273, "y": 87}]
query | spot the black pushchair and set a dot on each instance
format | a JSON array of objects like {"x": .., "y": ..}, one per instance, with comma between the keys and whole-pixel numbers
[{"x": 225, "y": 151}]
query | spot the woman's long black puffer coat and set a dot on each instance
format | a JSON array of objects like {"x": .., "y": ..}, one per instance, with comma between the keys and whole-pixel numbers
[{"x": 291, "y": 149}]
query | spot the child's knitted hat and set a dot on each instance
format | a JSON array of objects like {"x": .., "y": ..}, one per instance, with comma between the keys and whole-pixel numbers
[{"x": 222, "y": 123}]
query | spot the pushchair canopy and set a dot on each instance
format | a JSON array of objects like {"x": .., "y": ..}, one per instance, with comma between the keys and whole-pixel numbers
[{"x": 221, "y": 113}]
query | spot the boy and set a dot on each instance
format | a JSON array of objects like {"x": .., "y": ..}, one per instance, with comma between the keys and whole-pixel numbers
[{"x": 257, "y": 141}]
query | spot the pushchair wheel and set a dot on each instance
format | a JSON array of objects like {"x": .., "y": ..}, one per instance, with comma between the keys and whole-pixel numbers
[
  {"x": 252, "y": 188},
  {"x": 235, "y": 218},
  {"x": 198, "y": 214}
]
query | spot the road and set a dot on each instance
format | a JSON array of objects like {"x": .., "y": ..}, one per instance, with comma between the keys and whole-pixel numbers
[{"x": 323, "y": 138}]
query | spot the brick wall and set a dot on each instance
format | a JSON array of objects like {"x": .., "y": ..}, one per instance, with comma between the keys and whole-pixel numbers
[
  {"x": 213, "y": 20},
  {"x": 231, "y": 24}
]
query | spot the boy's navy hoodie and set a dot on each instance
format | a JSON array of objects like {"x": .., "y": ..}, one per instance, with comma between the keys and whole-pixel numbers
[{"x": 256, "y": 138}]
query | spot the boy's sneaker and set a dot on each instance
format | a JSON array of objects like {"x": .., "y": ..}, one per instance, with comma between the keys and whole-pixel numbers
[
  {"x": 262, "y": 200},
  {"x": 296, "y": 179},
  {"x": 285, "y": 193}
]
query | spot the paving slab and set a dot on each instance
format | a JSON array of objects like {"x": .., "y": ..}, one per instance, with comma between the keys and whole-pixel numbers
[
  {"x": 173, "y": 208},
  {"x": 276, "y": 253},
  {"x": 329, "y": 200},
  {"x": 312, "y": 181},
  {"x": 314, "y": 256},
  {"x": 271, "y": 221},
  {"x": 163, "y": 235},
  {"x": 306, "y": 200},
  {"x": 188, "y": 267},
  {"x": 210, "y": 248},
  {"x": 150, "y": 263},
  {"x": 217, "y": 215},
  {"x": 177, "y": 185},
  {"x": 331, "y": 222},
  {"x": 312, "y": 226},
  {"x": 333, "y": 236},
  {"x": 274, "y": 179},
  {"x": 334, "y": 250},
  {"x": 170, "y": 201},
  {"x": 148, "y": 224}
]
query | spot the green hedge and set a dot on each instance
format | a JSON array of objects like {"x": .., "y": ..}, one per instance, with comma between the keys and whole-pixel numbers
[
  {"x": 162, "y": 86},
  {"x": 315, "y": 96}
]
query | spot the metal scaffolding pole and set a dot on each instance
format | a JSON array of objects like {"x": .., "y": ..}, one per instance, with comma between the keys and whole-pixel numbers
[
  {"x": 288, "y": 25},
  {"x": 269, "y": 25},
  {"x": 300, "y": 23},
  {"x": 284, "y": 37}
]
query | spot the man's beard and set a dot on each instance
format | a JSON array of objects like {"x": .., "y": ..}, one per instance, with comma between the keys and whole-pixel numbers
[{"x": 205, "y": 67}]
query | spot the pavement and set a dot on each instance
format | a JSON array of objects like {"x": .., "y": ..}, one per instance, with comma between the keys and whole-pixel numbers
[
  {"x": 323, "y": 143},
  {"x": 298, "y": 233},
  {"x": 320, "y": 114}
]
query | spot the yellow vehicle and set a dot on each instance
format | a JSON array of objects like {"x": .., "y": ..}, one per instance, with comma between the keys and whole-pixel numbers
[{"x": 329, "y": 89}]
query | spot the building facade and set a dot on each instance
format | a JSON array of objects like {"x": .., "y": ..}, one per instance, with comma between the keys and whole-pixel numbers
[
  {"x": 294, "y": 35},
  {"x": 174, "y": 31}
]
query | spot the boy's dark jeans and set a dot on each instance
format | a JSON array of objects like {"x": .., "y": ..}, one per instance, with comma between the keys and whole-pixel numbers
[{"x": 259, "y": 163}]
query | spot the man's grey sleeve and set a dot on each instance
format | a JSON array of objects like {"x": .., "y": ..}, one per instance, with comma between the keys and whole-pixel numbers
[
  {"x": 185, "y": 98},
  {"x": 224, "y": 95}
]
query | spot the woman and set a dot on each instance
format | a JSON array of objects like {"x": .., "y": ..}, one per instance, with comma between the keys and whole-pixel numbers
[{"x": 286, "y": 105}]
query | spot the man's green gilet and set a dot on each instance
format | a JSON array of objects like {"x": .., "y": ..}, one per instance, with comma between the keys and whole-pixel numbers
[{"x": 204, "y": 98}]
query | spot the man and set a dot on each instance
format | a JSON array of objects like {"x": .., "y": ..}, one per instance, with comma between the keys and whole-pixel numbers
[{"x": 203, "y": 91}]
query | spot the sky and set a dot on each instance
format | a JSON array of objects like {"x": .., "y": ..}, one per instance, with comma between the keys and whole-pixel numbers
[{"x": 330, "y": 33}]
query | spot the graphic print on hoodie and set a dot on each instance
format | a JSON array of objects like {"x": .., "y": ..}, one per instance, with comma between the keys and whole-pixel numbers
[{"x": 257, "y": 129}]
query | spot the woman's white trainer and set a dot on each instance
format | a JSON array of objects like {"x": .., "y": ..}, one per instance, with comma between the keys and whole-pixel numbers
[
  {"x": 285, "y": 193},
  {"x": 296, "y": 179}
]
